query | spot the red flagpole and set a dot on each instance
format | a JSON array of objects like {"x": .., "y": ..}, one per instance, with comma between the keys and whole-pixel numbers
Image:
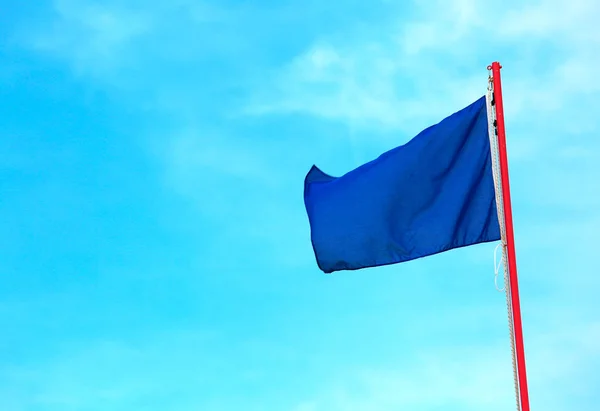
[{"x": 510, "y": 240}]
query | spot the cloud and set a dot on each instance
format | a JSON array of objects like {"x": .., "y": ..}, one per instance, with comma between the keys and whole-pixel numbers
[
  {"x": 146, "y": 54},
  {"x": 416, "y": 71},
  {"x": 95, "y": 37},
  {"x": 361, "y": 85},
  {"x": 110, "y": 373},
  {"x": 469, "y": 377},
  {"x": 547, "y": 19}
]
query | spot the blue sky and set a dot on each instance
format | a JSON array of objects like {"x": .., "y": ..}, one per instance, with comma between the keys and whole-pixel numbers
[{"x": 154, "y": 249}]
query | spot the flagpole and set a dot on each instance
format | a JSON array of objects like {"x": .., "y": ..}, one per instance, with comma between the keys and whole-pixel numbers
[{"x": 510, "y": 240}]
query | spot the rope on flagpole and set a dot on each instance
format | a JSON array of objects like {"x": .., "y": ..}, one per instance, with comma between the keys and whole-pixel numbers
[
  {"x": 497, "y": 266},
  {"x": 500, "y": 208}
]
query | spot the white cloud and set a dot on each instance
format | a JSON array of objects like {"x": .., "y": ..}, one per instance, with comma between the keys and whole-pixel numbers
[
  {"x": 362, "y": 86},
  {"x": 425, "y": 68},
  {"x": 110, "y": 373},
  {"x": 551, "y": 18},
  {"x": 94, "y": 37},
  {"x": 470, "y": 377},
  {"x": 195, "y": 155}
]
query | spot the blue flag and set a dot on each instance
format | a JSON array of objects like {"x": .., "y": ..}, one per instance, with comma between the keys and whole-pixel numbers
[{"x": 433, "y": 194}]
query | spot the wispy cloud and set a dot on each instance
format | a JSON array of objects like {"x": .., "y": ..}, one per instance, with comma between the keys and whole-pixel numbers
[
  {"x": 469, "y": 377},
  {"x": 96, "y": 38},
  {"x": 113, "y": 373},
  {"x": 407, "y": 71}
]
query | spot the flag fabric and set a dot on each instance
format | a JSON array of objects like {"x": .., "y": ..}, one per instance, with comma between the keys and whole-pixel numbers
[{"x": 431, "y": 195}]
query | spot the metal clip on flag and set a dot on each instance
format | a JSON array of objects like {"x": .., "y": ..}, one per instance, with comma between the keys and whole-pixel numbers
[{"x": 446, "y": 188}]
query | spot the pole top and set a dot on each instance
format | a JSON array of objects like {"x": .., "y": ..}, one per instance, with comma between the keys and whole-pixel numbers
[{"x": 494, "y": 65}]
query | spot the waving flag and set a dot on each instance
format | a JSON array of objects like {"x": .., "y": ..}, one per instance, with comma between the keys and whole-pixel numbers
[
  {"x": 446, "y": 188},
  {"x": 433, "y": 194}
]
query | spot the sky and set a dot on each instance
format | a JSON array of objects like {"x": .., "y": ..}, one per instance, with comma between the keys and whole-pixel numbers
[{"x": 154, "y": 248}]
